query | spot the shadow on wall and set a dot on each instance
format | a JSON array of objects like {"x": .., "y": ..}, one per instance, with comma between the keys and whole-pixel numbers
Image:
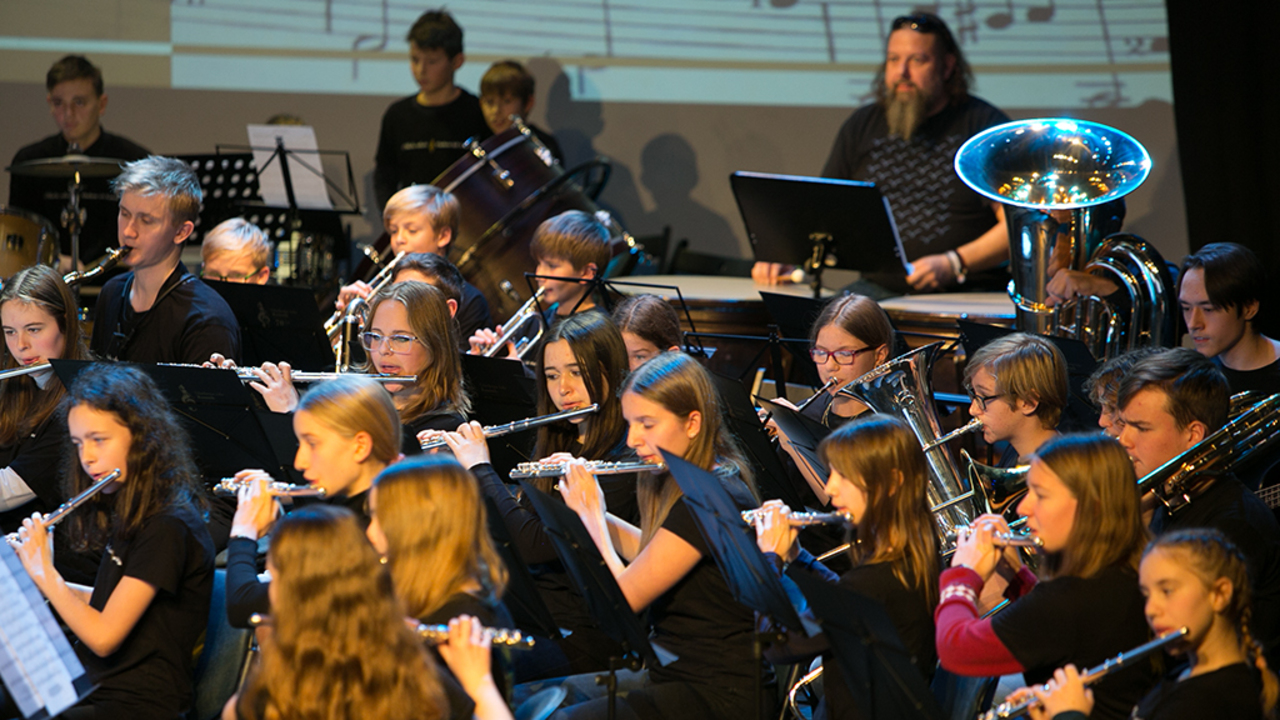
[{"x": 669, "y": 171}]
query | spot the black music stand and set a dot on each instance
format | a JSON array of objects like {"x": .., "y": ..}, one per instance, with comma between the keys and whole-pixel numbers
[
  {"x": 227, "y": 428},
  {"x": 794, "y": 316},
  {"x": 745, "y": 424},
  {"x": 278, "y": 323},
  {"x": 581, "y": 558},
  {"x": 227, "y": 180},
  {"x": 521, "y": 596},
  {"x": 874, "y": 663},
  {"x": 819, "y": 223},
  {"x": 750, "y": 577},
  {"x": 501, "y": 392},
  {"x": 804, "y": 433}
]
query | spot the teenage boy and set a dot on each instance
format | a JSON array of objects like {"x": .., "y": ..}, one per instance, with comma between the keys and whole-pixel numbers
[
  {"x": 158, "y": 312},
  {"x": 423, "y": 134},
  {"x": 236, "y": 251},
  {"x": 1220, "y": 287},
  {"x": 1169, "y": 402},
  {"x": 437, "y": 270},
  {"x": 506, "y": 91},
  {"x": 573, "y": 247},
  {"x": 1018, "y": 388}
]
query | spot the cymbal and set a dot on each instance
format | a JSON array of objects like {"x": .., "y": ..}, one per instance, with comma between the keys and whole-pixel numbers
[{"x": 67, "y": 165}]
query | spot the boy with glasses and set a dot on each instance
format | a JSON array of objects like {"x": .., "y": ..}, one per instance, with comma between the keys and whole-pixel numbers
[
  {"x": 1018, "y": 389},
  {"x": 236, "y": 251}
]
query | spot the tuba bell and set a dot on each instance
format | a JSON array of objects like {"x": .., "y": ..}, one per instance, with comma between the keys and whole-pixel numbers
[{"x": 1036, "y": 166}]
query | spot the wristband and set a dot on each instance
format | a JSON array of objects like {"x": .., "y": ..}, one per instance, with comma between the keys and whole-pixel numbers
[{"x": 957, "y": 266}]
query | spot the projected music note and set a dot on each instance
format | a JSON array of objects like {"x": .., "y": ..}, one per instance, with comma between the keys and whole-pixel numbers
[
  {"x": 1041, "y": 13},
  {"x": 1002, "y": 19}
]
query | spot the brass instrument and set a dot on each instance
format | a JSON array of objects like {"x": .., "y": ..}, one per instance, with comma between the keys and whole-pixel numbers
[
  {"x": 973, "y": 425},
  {"x": 339, "y": 327},
  {"x": 230, "y": 487},
  {"x": 302, "y": 377},
  {"x": 821, "y": 391},
  {"x": 25, "y": 370},
  {"x": 543, "y": 468},
  {"x": 901, "y": 387},
  {"x": 527, "y": 313},
  {"x": 1000, "y": 489},
  {"x": 1006, "y": 710},
  {"x": 1248, "y": 433},
  {"x": 1045, "y": 164},
  {"x": 439, "y": 634},
  {"x": 492, "y": 431},
  {"x": 113, "y": 256},
  {"x": 801, "y": 519},
  {"x": 63, "y": 510}
]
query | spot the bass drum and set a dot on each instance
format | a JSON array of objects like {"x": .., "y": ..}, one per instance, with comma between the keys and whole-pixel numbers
[
  {"x": 505, "y": 190},
  {"x": 25, "y": 240}
]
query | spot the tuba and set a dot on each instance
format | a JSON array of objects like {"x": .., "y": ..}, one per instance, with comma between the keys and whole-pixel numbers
[
  {"x": 1046, "y": 164},
  {"x": 901, "y": 387}
]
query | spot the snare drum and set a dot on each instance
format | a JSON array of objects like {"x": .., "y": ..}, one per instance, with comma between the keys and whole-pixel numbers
[{"x": 25, "y": 240}]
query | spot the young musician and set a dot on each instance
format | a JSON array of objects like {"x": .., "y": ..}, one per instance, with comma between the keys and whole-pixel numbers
[
  {"x": 1219, "y": 290},
  {"x": 1103, "y": 387},
  {"x": 649, "y": 327},
  {"x": 572, "y": 245},
  {"x": 1083, "y": 506},
  {"x": 159, "y": 312},
  {"x": 1169, "y": 402},
  {"x": 348, "y": 431},
  {"x": 582, "y": 362},
  {"x": 879, "y": 478},
  {"x": 138, "y": 626},
  {"x": 236, "y": 251},
  {"x": 1018, "y": 388},
  {"x": 38, "y": 314},
  {"x": 1195, "y": 579},
  {"x": 342, "y": 615},
  {"x": 664, "y": 564},
  {"x": 424, "y": 219},
  {"x": 506, "y": 90},
  {"x": 436, "y": 270},
  {"x": 428, "y": 521},
  {"x": 423, "y": 134}
]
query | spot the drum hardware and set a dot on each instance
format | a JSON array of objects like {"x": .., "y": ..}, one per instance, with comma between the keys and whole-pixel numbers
[
  {"x": 543, "y": 151},
  {"x": 501, "y": 175},
  {"x": 25, "y": 370},
  {"x": 528, "y": 313},
  {"x": 1048, "y": 164},
  {"x": 800, "y": 519},
  {"x": 26, "y": 239},
  {"x": 230, "y": 487},
  {"x": 112, "y": 258},
  {"x": 1250, "y": 432},
  {"x": 439, "y": 634},
  {"x": 53, "y": 518},
  {"x": 301, "y": 377},
  {"x": 1006, "y": 710},
  {"x": 342, "y": 324},
  {"x": 544, "y": 469},
  {"x": 492, "y": 431},
  {"x": 973, "y": 425}
]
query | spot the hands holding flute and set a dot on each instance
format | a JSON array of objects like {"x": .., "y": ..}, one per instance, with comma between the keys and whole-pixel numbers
[
  {"x": 978, "y": 547},
  {"x": 774, "y": 533},
  {"x": 256, "y": 508},
  {"x": 275, "y": 382}
]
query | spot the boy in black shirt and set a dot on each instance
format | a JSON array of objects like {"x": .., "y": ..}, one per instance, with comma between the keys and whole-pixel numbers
[
  {"x": 423, "y": 134},
  {"x": 506, "y": 91}
]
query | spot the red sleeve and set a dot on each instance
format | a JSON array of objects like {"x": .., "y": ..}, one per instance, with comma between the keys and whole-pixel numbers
[
  {"x": 966, "y": 644},
  {"x": 1021, "y": 583}
]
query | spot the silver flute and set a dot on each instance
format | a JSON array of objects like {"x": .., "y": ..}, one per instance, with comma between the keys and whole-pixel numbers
[
  {"x": 544, "y": 468},
  {"x": 24, "y": 370},
  {"x": 53, "y": 518},
  {"x": 1007, "y": 539},
  {"x": 800, "y": 519},
  {"x": 302, "y": 377},
  {"x": 439, "y": 634},
  {"x": 230, "y": 487},
  {"x": 492, "y": 431}
]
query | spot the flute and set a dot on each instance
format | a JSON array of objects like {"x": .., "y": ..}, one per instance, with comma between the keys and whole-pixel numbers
[
  {"x": 1007, "y": 539},
  {"x": 53, "y": 518},
  {"x": 543, "y": 469},
  {"x": 1005, "y": 710},
  {"x": 801, "y": 519},
  {"x": 302, "y": 377},
  {"x": 230, "y": 487},
  {"x": 24, "y": 370},
  {"x": 439, "y": 634},
  {"x": 492, "y": 431}
]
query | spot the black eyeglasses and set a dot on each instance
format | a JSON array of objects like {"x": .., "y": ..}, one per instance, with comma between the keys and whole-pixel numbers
[
  {"x": 981, "y": 400},
  {"x": 842, "y": 357},
  {"x": 920, "y": 22}
]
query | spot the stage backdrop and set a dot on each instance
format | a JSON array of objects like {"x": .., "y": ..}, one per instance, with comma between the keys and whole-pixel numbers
[{"x": 678, "y": 93}]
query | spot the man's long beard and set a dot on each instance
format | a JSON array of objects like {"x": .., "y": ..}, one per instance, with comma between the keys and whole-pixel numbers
[{"x": 905, "y": 111}]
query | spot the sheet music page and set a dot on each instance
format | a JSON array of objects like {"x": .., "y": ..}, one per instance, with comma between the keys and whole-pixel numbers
[
  {"x": 37, "y": 663},
  {"x": 305, "y": 168}
]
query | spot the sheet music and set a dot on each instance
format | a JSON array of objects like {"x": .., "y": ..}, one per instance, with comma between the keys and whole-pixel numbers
[
  {"x": 305, "y": 169},
  {"x": 1025, "y": 53},
  {"x": 37, "y": 664}
]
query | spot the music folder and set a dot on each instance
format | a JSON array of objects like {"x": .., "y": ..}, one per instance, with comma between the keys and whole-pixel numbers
[{"x": 805, "y": 434}]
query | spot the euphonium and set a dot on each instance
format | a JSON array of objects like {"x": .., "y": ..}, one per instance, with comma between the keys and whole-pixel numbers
[
  {"x": 973, "y": 425},
  {"x": 63, "y": 510},
  {"x": 543, "y": 468},
  {"x": 113, "y": 256},
  {"x": 1036, "y": 166},
  {"x": 492, "y": 431},
  {"x": 820, "y": 392},
  {"x": 527, "y": 313},
  {"x": 1248, "y": 433},
  {"x": 1000, "y": 489}
]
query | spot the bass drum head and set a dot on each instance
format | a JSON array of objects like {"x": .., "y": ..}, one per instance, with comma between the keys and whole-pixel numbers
[{"x": 25, "y": 240}]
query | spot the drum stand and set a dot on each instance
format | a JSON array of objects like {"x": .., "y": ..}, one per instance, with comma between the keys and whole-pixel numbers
[
  {"x": 820, "y": 258},
  {"x": 73, "y": 217}
]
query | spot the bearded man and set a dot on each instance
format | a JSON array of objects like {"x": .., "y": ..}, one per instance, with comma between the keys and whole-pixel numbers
[{"x": 906, "y": 142}]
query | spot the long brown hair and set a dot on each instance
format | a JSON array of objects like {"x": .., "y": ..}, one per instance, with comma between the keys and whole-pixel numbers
[
  {"x": 682, "y": 386},
  {"x": 439, "y": 387},
  {"x": 161, "y": 473},
  {"x": 649, "y": 318},
  {"x": 26, "y": 406},
  {"x": 882, "y": 457},
  {"x": 1107, "y": 529},
  {"x": 432, "y": 514},
  {"x": 597, "y": 346},
  {"x": 353, "y": 404},
  {"x": 858, "y": 315},
  {"x": 1208, "y": 554},
  {"x": 339, "y": 647}
]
